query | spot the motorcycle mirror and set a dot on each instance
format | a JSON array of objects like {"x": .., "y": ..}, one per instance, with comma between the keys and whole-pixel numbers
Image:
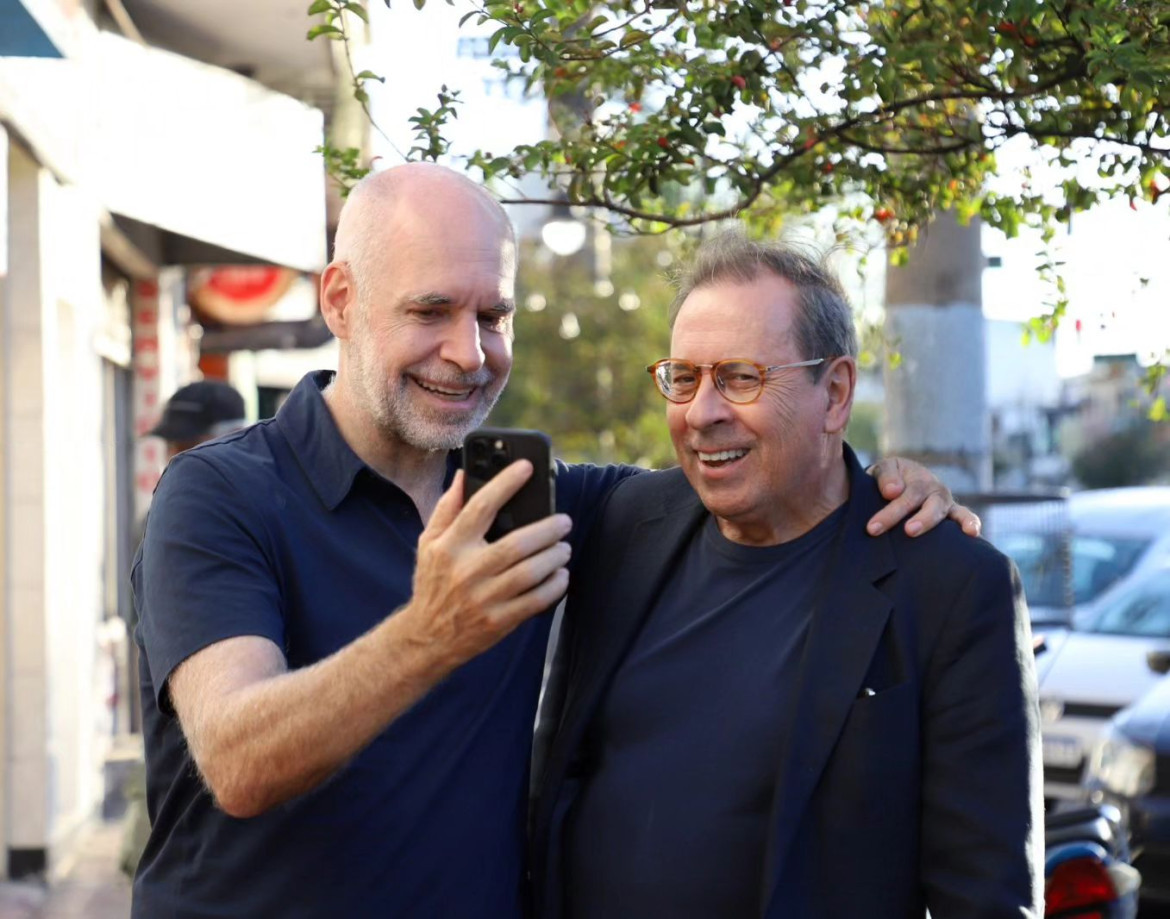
[{"x": 1158, "y": 660}]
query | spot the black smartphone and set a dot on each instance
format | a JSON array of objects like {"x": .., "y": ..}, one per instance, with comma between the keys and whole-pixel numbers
[{"x": 488, "y": 450}]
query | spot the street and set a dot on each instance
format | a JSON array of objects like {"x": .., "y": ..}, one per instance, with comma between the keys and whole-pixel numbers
[{"x": 89, "y": 887}]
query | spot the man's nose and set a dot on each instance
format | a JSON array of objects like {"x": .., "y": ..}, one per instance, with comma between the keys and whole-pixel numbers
[
  {"x": 708, "y": 407},
  {"x": 462, "y": 345}
]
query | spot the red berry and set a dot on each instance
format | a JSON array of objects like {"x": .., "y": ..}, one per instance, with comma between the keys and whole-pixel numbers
[
  {"x": 663, "y": 143},
  {"x": 739, "y": 81}
]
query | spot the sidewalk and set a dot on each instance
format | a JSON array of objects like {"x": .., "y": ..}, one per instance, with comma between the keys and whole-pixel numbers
[{"x": 90, "y": 885}]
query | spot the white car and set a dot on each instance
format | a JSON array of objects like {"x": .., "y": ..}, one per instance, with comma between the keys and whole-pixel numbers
[
  {"x": 1074, "y": 560},
  {"x": 1087, "y": 676}
]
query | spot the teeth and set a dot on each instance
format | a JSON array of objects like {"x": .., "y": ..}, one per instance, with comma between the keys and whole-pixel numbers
[
  {"x": 443, "y": 392},
  {"x": 721, "y": 455}
]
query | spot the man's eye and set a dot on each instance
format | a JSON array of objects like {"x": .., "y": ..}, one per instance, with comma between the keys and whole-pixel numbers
[
  {"x": 497, "y": 322},
  {"x": 427, "y": 313}
]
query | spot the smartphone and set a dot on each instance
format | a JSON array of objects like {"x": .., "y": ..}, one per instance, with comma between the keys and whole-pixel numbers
[{"x": 488, "y": 450}]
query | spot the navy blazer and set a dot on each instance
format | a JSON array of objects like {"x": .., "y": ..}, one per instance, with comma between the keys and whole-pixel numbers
[{"x": 911, "y": 779}]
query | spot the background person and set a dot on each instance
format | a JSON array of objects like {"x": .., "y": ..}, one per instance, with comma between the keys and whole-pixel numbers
[{"x": 197, "y": 413}]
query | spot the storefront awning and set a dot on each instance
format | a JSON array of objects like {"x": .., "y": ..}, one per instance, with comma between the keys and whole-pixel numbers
[
  {"x": 222, "y": 165},
  {"x": 22, "y": 33}
]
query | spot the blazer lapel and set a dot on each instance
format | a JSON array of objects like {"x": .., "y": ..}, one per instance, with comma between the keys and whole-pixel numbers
[
  {"x": 620, "y": 606},
  {"x": 846, "y": 626}
]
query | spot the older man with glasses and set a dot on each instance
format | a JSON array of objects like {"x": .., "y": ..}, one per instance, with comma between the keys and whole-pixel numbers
[{"x": 756, "y": 710}]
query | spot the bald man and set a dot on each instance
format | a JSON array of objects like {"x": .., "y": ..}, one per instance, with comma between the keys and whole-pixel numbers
[{"x": 339, "y": 674}]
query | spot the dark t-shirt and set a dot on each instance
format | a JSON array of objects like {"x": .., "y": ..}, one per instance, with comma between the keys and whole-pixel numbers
[
  {"x": 673, "y": 821},
  {"x": 281, "y": 531}
]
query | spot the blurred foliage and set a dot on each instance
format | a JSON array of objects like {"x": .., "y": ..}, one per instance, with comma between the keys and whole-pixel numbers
[
  {"x": 1137, "y": 455},
  {"x": 864, "y": 430},
  {"x": 582, "y": 352}
]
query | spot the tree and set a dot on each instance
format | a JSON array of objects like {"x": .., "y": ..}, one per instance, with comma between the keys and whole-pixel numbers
[
  {"x": 892, "y": 110},
  {"x": 888, "y": 110},
  {"x": 583, "y": 347}
]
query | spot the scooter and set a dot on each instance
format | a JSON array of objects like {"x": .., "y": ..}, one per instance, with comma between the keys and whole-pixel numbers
[{"x": 1087, "y": 874}]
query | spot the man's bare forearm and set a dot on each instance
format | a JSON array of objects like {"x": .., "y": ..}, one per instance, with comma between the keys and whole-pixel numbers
[{"x": 264, "y": 742}]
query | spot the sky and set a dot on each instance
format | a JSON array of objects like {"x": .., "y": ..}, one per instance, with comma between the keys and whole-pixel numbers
[{"x": 1117, "y": 259}]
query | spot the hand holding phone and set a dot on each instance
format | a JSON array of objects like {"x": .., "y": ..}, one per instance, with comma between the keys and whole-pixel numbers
[{"x": 488, "y": 450}]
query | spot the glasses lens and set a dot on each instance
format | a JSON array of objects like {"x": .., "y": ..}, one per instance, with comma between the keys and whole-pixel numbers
[
  {"x": 739, "y": 381},
  {"x": 677, "y": 380}
]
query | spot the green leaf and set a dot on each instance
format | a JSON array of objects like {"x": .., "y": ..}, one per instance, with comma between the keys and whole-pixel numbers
[
  {"x": 634, "y": 37},
  {"x": 358, "y": 10},
  {"x": 419, "y": 4},
  {"x": 320, "y": 6},
  {"x": 323, "y": 30},
  {"x": 1158, "y": 410},
  {"x": 370, "y": 75}
]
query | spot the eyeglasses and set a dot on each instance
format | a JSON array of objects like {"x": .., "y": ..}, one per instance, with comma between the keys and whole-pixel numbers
[{"x": 740, "y": 381}]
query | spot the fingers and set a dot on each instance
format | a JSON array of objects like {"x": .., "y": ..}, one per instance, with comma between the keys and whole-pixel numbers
[
  {"x": 532, "y": 585},
  {"x": 481, "y": 508},
  {"x": 888, "y": 473},
  {"x": 931, "y": 513},
  {"x": 543, "y": 596},
  {"x": 526, "y": 541},
  {"x": 966, "y": 518},
  {"x": 901, "y": 508},
  {"x": 449, "y": 505}
]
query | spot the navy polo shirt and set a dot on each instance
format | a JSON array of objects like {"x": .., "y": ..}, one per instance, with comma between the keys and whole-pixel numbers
[{"x": 281, "y": 531}]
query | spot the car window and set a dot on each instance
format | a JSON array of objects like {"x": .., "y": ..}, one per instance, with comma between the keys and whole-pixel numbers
[
  {"x": 1143, "y": 610},
  {"x": 1056, "y": 576}
]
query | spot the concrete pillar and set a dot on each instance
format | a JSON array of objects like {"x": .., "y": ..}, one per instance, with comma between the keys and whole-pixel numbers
[
  {"x": 936, "y": 401},
  {"x": 4, "y": 485},
  {"x": 26, "y": 768},
  {"x": 54, "y": 496}
]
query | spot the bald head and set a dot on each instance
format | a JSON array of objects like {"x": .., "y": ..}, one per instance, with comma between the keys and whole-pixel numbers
[{"x": 416, "y": 198}]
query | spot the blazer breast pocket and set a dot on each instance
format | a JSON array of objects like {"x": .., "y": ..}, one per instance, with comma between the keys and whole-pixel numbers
[{"x": 877, "y": 752}]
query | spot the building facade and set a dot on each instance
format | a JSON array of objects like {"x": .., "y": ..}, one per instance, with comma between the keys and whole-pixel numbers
[{"x": 129, "y": 153}]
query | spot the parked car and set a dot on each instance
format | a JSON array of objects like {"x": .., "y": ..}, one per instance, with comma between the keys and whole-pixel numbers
[
  {"x": 1087, "y": 676},
  {"x": 1072, "y": 563},
  {"x": 1130, "y": 768}
]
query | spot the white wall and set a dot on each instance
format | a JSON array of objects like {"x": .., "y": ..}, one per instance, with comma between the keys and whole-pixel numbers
[{"x": 54, "y": 506}]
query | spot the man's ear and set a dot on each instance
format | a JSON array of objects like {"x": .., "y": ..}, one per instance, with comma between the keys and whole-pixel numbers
[
  {"x": 840, "y": 381},
  {"x": 338, "y": 299}
]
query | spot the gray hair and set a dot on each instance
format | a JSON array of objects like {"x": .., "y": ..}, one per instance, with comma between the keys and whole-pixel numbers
[{"x": 824, "y": 325}]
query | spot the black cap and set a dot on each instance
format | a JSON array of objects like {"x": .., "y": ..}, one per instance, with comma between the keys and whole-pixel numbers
[{"x": 202, "y": 409}]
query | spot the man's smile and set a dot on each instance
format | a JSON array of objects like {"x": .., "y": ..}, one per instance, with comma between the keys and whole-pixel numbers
[
  {"x": 447, "y": 392},
  {"x": 720, "y": 458}
]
